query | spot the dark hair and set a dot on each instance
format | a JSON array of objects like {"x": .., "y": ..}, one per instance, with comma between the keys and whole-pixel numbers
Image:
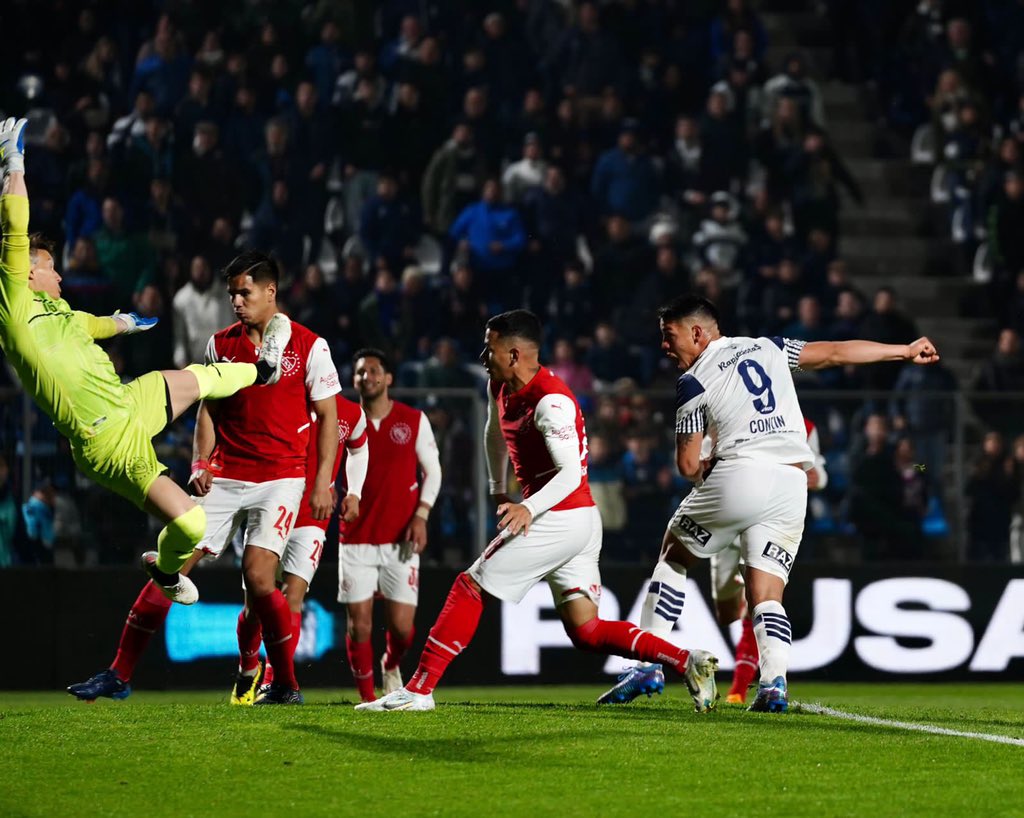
[
  {"x": 688, "y": 306},
  {"x": 373, "y": 352},
  {"x": 517, "y": 324},
  {"x": 261, "y": 267},
  {"x": 37, "y": 242}
]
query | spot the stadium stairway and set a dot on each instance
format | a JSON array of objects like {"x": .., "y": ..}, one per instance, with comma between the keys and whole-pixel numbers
[{"x": 894, "y": 239}]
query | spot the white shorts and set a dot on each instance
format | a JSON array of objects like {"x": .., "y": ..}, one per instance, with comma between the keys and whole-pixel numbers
[
  {"x": 303, "y": 552},
  {"x": 365, "y": 569},
  {"x": 267, "y": 509},
  {"x": 563, "y": 547},
  {"x": 763, "y": 504},
  {"x": 726, "y": 573}
]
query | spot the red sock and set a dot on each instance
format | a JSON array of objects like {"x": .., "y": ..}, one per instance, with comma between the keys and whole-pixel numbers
[
  {"x": 275, "y": 617},
  {"x": 396, "y": 649},
  {"x": 626, "y": 639},
  {"x": 451, "y": 633},
  {"x": 746, "y": 660},
  {"x": 250, "y": 635},
  {"x": 268, "y": 673},
  {"x": 360, "y": 659},
  {"x": 146, "y": 616}
]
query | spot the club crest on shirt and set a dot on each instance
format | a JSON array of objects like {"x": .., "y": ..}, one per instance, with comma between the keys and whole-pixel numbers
[
  {"x": 401, "y": 433},
  {"x": 290, "y": 362},
  {"x": 344, "y": 430}
]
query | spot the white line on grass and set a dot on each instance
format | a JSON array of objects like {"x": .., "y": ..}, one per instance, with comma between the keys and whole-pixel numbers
[{"x": 822, "y": 710}]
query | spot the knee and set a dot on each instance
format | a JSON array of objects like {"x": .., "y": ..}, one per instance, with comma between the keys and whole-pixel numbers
[
  {"x": 185, "y": 531},
  {"x": 257, "y": 581},
  {"x": 360, "y": 629}
]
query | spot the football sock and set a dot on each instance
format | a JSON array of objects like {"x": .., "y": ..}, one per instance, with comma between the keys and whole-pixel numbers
[
  {"x": 222, "y": 380},
  {"x": 746, "y": 660},
  {"x": 250, "y": 635},
  {"x": 626, "y": 639},
  {"x": 145, "y": 617},
  {"x": 275, "y": 616},
  {"x": 178, "y": 540},
  {"x": 360, "y": 659},
  {"x": 774, "y": 637},
  {"x": 451, "y": 633},
  {"x": 396, "y": 649},
  {"x": 268, "y": 671},
  {"x": 665, "y": 597}
]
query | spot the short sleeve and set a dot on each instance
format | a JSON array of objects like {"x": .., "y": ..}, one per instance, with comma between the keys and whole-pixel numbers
[
  {"x": 691, "y": 411},
  {"x": 321, "y": 375},
  {"x": 792, "y": 348},
  {"x": 211, "y": 351}
]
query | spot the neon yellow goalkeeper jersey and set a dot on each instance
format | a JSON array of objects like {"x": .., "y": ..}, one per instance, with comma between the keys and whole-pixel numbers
[{"x": 50, "y": 345}]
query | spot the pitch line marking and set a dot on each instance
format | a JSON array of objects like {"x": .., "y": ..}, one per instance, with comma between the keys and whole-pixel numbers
[{"x": 822, "y": 710}]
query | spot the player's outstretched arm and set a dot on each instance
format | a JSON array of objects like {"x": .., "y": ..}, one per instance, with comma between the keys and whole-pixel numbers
[{"x": 825, "y": 354}]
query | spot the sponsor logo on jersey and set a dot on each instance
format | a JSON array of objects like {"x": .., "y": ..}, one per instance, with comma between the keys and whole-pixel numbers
[
  {"x": 695, "y": 530},
  {"x": 779, "y": 555},
  {"x": 401, "y": 433},
  {"x": 329, "y": 381},
  {"x": 344, "y": 430},
  {"x": 723, "y": 365},
  {"x": 290, "y": 362}
]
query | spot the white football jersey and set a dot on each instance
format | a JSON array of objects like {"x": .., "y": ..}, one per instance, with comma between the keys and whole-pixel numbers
[{"x": 739, "y": 394}]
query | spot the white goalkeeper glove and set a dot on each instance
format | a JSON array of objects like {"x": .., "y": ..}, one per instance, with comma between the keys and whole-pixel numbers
[
  {"x": 134, "y": 323},
  {"x": 12, "y": 145}
]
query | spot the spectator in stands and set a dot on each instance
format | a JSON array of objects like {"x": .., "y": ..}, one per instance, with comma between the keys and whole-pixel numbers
[
  {"x": 162, "y": 66},
  {"x": 444, "y": 370},
  {"x": 816, "y": 172},
  {"x": 554, "y": 218},
  {"x": 685, "y": 179},
  {"x": 277, "y": 227},
  {"x": 724, "y": 154},
  {"x": 572, "y": 306},
  {"x": 148, "y": 156},
  {"x": 926, "y": 418},
  {"x": 419, "y": 315},
  {"x": 207, "y": 178},
  {"x": 463, "y": 309},
  {"x": 641, "y": 464},
  {"x": 876, "y": 490},
  {"x": 778, "y": 145},
  {"x": 849, "y": 315},
  {"x": 793, "y": 82},
  {"x": 83, "y": 215},
  {"x": 780, "y": 297},
  {"x": 491, "y": 233},
  {"x": 326, "y": 61},
  {"x": 404, "y": 46},
  {"x": 364, "y": 121},
  {"x": 452, "y": 180},
  {"x": 585, "y": 60},
  {"x": 364, "y": 67},
  {"x": 154, "y": 351},
  {"x": 38, "y": 515},
  {"x": 200, "y": 309},
  {"x": 389, "y": 225},
  {"x": 619, "y": 265},
  {"x": 721, "y": 242},
  {"x": 913, "y": 498},
  {"x": 198, "y": 106},
  {"x": 412, "y": 132},
  {"x": 1017, "y": 521},
  {"x": 126, "y": 259},
  {"x": 991, "y": 493},
  {"x": 526, "y": 175},
  {"x": 167, "y": 222},
  {"x": 808, "y": 325},
  {"x": 576, "y": 375},
  {"x": 478, "y": 114},
  {"x": 886, "y": 324},
  {"x": 625, "y": 181},
  {"x": 132, "y": 125},
  {"x": 243, "y": 126},
  {"x": 1003, "y": 372},
  {"x": 312, "y": 302},
  {"x": 12, "y": 531},
  {"x": 1006, "y": 227},
  {"x": 380, "y": 313},
  {"x": 608, "y": 358},
  {"x": 313, "y": 140},
  {"x": 604, "y": 473}
]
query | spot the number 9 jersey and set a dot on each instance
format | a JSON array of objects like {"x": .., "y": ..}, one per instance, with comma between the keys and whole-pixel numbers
[{"x": 740, "y": 392}]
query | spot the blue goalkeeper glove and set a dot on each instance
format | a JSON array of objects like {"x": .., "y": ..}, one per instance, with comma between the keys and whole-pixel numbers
[
  {"x": 134, "y": 323},
  {"x": 12, "y": 145}
]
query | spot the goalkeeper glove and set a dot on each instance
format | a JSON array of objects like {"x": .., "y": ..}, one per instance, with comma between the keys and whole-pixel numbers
[
  {"x": 12, "y": 145},
  {"x": 134, "y": 323}
]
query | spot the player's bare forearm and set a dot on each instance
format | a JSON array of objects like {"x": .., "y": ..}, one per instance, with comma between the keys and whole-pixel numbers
[
  {"x": 326, "y": 412},
  {"x": 826, "y": 354},
  {"x": 14, "y": 185},
  {"x": 688, "y": 455}
]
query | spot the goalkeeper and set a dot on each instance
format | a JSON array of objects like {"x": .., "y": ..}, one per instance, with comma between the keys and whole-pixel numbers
[{"x": 110, "y": 425}]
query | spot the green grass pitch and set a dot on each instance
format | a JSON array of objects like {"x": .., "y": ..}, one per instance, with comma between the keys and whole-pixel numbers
[{"x": 512, "y": 751}]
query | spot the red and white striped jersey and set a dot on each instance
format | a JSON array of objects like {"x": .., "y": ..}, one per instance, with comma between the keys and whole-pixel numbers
[{"x": 263, "y": 431}]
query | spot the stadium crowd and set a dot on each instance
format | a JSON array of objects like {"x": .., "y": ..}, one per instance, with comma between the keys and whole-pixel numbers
[{"x": 419, "y": 166}]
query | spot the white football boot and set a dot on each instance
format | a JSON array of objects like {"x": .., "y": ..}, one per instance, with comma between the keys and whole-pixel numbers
[
  {"x": 391, "y": 679},
  {"x": 275, "y": 338},
  {"x": 699, "y": 676},
  {"x": 400, "y": 699},
  {"x": 184, "y": 591}
]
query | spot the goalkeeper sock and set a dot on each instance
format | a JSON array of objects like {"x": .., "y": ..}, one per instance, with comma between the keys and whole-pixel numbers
[
  {"x": 396, "y": 649},
  {"x": 275, "y": 616},
  {"x": 250, "y": 636},
  {"x": 746, "y": 660},
  {"x": 774, "y": 637},
  {"x": 144, "y": 619},
  {"x": 178, "y": 540},
  {"x": 360, "y": 660},
  {"x": 666, "y": 594},
  {"x": 222, "y": 380},
  {"x": 452, "y": 632}
]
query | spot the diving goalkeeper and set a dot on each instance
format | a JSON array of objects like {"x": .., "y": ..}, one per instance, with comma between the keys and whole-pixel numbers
[{"x": 110, "y": 425}]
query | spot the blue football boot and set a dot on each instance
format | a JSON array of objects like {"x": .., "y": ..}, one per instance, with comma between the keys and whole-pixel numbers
[
  {"x": 771, "y": 698},
  {"x": 634, "y": 682},
  {"x": 104, "y": 684}
]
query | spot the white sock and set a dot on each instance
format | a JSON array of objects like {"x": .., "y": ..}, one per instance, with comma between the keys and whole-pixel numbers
[
  {"x": 665, "y": 597},
  {"x": 774, "y": 637}
]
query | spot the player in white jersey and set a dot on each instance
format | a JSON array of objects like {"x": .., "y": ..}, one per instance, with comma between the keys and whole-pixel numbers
[{"x": 740, "y": 392}]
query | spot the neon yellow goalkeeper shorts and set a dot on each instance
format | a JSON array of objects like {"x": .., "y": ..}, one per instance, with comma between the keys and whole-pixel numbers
[{"x": 121, "y": 456}]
